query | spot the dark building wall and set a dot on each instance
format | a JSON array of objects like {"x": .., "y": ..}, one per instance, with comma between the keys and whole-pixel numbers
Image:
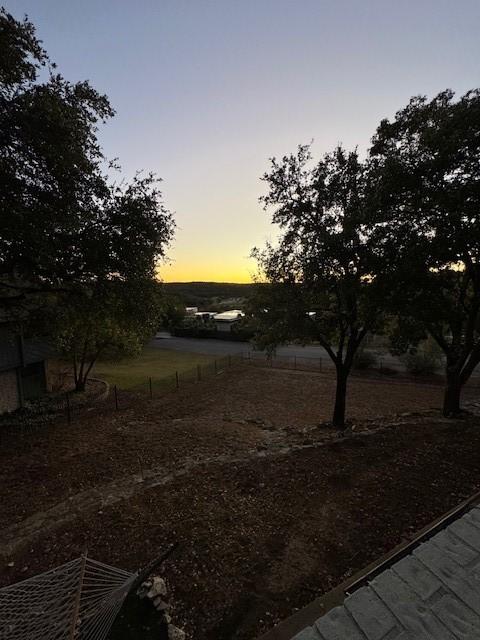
[
  {"x": 34, "y": 382},
  {"x": 9, "y": 392},
  {"x": 22, "y": 369}
]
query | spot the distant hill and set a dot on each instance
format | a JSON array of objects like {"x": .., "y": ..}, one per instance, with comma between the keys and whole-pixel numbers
[{"x": 209, "y": 294}]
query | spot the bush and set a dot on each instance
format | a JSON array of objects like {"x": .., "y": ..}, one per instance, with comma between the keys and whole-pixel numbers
[
  {"x": 422, "y": 362},
  {"x": 364, "y": 359}
]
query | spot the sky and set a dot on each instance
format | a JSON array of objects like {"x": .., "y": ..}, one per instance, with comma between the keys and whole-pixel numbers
[{"x": 206, "y": 91}]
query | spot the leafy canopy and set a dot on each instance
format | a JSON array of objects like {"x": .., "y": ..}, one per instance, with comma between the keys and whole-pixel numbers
[
  {"x": 427, "y": 163},
  {"x": 63, "y": 224},
  {"x": 427, "y": 201},
  {"x": 322, "y": 272}
]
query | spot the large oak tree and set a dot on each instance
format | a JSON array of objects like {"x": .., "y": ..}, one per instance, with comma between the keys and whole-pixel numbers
[
  {"x": 321, "y": 280},
  {"x": 78, "y": 253},
  {"x": 427, "y": 203},
  {"x": 63, "y": 225}
]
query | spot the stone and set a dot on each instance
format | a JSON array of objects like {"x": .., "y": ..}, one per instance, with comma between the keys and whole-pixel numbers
[
  {"x": 175, "y": 633},
  {"x": 144, "y": 588},
  {"x": 158, "y": 588},
  {"x": 160, "y": 604}
]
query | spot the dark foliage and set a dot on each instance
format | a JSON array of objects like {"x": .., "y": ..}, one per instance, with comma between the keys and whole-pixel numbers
[
  {"x": 324, "y": 283},
  {"x": 62, "y": 224},
  {"x": 427, "y": 199}
]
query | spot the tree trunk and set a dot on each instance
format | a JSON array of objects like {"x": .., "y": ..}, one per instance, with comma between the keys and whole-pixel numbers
[
  {"x": 80, "y": 385},
  {"x": 82, "y": 377},
  {"x": 451, "y": 399},
  {"x": 338, "y": 419}
]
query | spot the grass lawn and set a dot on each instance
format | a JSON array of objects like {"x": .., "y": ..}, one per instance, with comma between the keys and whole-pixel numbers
[{"x": 151, "y": 363}]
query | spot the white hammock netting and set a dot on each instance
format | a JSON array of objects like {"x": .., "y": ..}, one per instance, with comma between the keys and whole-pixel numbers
[{"x": 76, "y": 601}]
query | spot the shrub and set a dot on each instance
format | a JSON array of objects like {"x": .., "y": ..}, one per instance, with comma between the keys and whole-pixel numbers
[
  {"x": 364, "y": 359},
  {"x": 422, "y": 362}
]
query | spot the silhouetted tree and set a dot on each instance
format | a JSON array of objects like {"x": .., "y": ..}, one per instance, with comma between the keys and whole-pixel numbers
[
  {"x": 110, "y": 320},
  {"x": 322, "y": 276},
  {"x": 427, "y": 198},
  {"x": 63, "y": 226}
]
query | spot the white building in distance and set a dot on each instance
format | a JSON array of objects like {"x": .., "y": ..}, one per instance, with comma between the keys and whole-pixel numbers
[{"x": 225, "y": 320}]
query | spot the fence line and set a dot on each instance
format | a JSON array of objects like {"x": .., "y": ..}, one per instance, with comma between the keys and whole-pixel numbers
[
  {"x": 294, "y": 362},
  {"x": 66, "y": 406},
  {"x": 318, "y": 363}
]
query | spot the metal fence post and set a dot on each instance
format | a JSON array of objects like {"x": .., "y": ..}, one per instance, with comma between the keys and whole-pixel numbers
[
  {"x": 294, "y": 362},
  {"x": 176, "y": 380},
  {"x": 229, "y": 360},
  {"x": 199, "y": 373},
  {"x": 215, "y": 366},
  {"x": 116, "y": 396},
  {"x": 150, "y": 386},
  {"x": 320, "y": 363}
]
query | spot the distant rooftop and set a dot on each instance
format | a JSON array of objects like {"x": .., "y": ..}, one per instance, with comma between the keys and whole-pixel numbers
[{"x": 229, "y": 316}]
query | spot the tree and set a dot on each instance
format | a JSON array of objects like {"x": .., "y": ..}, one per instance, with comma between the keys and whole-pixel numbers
[
  {"x": 172, "y": 313},
  {"x": 322, "y": 281},
  {"x": 75, "y": 248},
  {"x": 110, "y": 321},
  {"x": 427, "y": 198},
  {"x": 63, "y": 225}
]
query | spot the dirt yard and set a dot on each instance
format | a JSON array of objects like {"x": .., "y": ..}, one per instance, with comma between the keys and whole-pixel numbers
[{"x": 270, "y": 507}]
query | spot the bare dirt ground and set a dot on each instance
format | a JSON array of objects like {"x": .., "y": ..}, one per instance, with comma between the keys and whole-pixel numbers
[{"x": 270, "y": 508}]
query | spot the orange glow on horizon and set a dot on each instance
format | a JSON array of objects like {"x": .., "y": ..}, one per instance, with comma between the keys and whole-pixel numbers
[{"x": 242, "y": 272}]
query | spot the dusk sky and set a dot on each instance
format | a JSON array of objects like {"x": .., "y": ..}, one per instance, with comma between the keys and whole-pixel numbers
[{"x": 206, "y": 91}]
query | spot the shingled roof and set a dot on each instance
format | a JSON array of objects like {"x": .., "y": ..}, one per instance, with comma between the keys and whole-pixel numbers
[{"x": 431, "y": 594}]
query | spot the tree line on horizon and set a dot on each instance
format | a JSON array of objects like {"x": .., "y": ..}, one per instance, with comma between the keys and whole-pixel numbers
[{"x": 388, "y": 243}]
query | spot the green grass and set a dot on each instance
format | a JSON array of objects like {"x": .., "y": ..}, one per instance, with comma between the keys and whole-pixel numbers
[{"x": 151, "y": 363}]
